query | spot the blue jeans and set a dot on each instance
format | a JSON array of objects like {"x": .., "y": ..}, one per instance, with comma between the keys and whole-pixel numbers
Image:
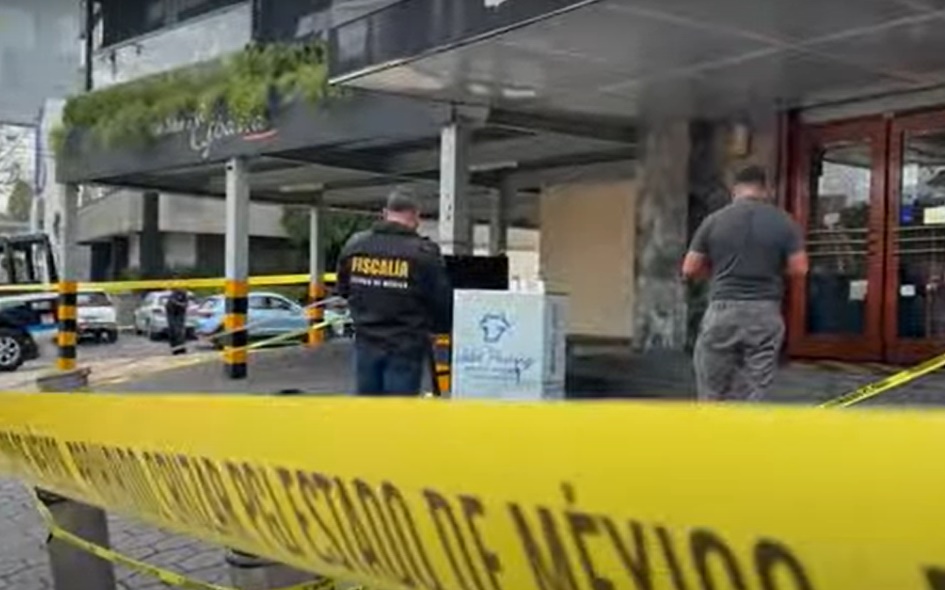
[{"x": 381, "y": 373}]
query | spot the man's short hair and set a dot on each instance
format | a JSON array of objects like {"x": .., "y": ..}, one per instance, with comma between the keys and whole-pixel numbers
[
  {"x": 402, "y": 200},
  {"x": 752, "y": 175}
]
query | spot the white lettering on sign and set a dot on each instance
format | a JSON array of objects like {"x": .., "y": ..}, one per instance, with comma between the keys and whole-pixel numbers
[{"x": 205, "y": 133}]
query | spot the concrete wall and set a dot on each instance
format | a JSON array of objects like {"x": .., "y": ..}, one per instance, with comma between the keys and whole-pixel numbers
[
  {"x": 587, "y": 243},
  {"x": 120, "y": 213},
  {"x": 198, "y": 215},
  {"x": 204, "y": 38}
]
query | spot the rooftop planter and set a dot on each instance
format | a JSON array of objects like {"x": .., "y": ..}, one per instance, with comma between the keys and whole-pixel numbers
[{"x": 237, "y": 94}]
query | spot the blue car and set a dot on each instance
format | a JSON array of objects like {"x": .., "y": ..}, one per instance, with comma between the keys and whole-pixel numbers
[{"x": 270, "y": 315}]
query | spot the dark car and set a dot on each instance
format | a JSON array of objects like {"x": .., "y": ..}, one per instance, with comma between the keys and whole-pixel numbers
[{"x": 23, "y": 318}]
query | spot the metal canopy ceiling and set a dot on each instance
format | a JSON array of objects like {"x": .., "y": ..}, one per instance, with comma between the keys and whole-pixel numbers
[
  {"x": 632, "y": 58},
  {"x": 361, "y": 174}
]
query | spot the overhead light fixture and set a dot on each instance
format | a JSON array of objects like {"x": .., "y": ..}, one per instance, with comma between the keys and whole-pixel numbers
[
  {"x": 520, "y": 93},
  {"x": 492, "y": 166},
  {"x": 479, "y": 89},
  {"x": 305, "y": 187}
]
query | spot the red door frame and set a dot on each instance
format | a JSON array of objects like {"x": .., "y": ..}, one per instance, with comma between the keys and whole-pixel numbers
[
  {"x": 868, "y": 346},
  {"x": 903, "y": 350}
]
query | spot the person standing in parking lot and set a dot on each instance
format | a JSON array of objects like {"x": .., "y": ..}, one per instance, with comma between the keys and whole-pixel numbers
[
  {"x": 176, "y": 310},
  {"x": 398, "y": 291},
  {"x": 746, "y": 249}
]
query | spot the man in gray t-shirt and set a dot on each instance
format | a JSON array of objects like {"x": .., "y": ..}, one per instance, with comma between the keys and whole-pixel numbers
[{"x": 746, "y": 248}]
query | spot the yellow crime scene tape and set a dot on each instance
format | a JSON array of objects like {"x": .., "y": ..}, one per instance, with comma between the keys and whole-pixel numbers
[
  {"x": 160, "y": 284},
  {"x": 163, "y": 575},
  {"x": 893, "y": 381},
  {"x": 573, "y": 497}
]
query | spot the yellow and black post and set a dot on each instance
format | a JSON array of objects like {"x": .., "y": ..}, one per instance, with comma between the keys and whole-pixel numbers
[
  {"x": 316, "y": 313},
  {"x": 236, "y": 290},
  {"x": 316, "y": 268},
  {"x": 236, "y": 352},
  {"x": 68, "y": 327},
  {"x": 441, "y": 364}
]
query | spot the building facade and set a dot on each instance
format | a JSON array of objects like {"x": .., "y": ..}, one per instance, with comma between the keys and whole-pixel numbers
[{"x": 613, "y": 127}]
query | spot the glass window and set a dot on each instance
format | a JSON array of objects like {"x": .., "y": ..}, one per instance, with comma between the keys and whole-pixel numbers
[
  {"x": 280, "y": 304},
  {"x": 258, "y": 302},
  {"x": 837, "y": 231},
  {"x": 920, "y": 237},
  {"x": 94, "y": 299}
]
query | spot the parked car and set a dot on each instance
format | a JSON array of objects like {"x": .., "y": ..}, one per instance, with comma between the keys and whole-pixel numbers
[
  {"x": 340, "y": 317},
  {"x": 269, "y": 315},
  {"x": 97, "y": 317},
  {"x": 151, "y": 317},
  {"x": 23, "y": 320}
]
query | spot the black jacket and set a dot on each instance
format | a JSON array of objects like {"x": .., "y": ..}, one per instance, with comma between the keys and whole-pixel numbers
[
  {"x": 397, "y": 287},
  {"x": 176, "y": 305}
]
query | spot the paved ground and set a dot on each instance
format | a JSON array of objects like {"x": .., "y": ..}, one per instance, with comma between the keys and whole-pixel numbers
[{"x": 138, "y": 366}]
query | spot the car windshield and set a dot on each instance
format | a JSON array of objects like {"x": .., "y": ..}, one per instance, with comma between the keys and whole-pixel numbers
[
  {"x": 93, "y": 300},
  {"x": 211, "y": 303}
]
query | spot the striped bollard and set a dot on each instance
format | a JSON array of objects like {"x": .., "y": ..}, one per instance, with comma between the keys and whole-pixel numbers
[
  {"x": 316, "y": 314},
  {"x": 441, "y": 363},
  {"x": 68, "y": 326},
  {"x": 235, "y": 354}
]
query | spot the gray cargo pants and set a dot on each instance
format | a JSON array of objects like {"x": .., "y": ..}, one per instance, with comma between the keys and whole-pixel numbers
[{"x": 737, "y": 350}]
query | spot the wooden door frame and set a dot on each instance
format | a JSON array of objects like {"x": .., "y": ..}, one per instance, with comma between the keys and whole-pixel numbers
[
  {"x": 903, "y": 350},
  {"x": 868, "y": 346}
]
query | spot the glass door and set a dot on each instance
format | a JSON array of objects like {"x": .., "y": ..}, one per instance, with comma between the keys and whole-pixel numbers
[
  {"x": 838, "y": 198},
  {"x": 915, "y": 281}
]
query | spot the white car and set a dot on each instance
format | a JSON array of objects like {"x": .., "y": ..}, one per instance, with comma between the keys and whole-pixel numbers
[
  {"x": 151, "y": 316},
  {"x": 96, "y": 316}
]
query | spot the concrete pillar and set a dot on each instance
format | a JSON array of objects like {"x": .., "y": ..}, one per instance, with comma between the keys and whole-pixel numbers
[
  {"x": 660, "y": 315},
  {"x": 499, "y": 217},
  {"x": 456, "y": 229},
  {"x": 316, "y": 269},
  {"x": 152, "y": 242},
  {"x": 237, "y": 267},
  {"x": 68, "y": 275}
]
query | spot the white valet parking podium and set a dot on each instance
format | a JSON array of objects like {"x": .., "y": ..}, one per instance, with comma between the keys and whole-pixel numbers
[{"x": 508, "y": 345}]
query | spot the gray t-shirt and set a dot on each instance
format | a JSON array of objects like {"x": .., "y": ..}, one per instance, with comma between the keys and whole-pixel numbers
[{"x": 747, "y": 244}]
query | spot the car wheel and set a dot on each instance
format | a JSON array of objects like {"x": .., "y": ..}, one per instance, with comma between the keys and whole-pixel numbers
[
  {"x": 111, "y": 336},
  {"x": 11, "y": 350},
  {"x": 153, "y": 335}
]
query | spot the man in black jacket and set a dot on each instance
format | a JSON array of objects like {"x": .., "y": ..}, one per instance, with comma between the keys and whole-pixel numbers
[{"x": 398, "y": 293}]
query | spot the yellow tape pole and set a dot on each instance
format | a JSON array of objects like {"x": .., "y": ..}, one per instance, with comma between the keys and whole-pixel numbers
[
  {"x": 408, "y": 494},
  {"x": 68, "y": 337}
]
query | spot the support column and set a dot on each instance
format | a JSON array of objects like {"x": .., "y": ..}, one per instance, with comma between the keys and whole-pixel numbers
[
  {"x": 237, "y": 267},
  {"x": 662, "y": 220},
  {"x": 499, "y": 217},
  {"x": 456, "y": 231},
  {"x": 68, "y": 275},
  {"x": 152, "y": 242},
  {"x": 316, "y": 269}
]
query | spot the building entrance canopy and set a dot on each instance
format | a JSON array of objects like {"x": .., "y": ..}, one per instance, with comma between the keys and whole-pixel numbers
[
  {"x": 351, "y": 150},
  {"x": 633, "y": 58}
]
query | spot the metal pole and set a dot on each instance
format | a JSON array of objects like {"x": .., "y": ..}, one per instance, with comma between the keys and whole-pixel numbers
[
  {"x": 316, "y": 269},
  {"x": 456, "y": 231},
  {"x": 68, "y": 276},
  {"x": 237, "y": 266}
]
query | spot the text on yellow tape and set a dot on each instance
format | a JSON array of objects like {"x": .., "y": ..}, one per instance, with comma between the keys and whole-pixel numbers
[{"x": 430, "y": 496}]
